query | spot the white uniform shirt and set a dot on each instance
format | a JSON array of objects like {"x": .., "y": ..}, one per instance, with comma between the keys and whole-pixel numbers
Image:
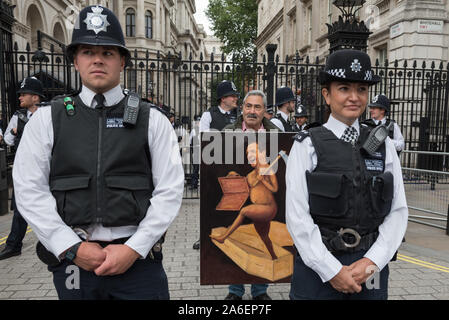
[
  {"x": 38, "y": 206},
  {"x": 278, "y": 122},
  {"x": 306, "y": 234},
  {"x": 9, "y": 137},
  {"x": 398, "y": 139}
]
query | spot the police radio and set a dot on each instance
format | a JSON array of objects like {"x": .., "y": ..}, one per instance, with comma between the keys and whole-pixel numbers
[
  {"x": 22, "y": 117},
  {"x": 376, "y": 137},
  {"x": 131, "y": 109}
]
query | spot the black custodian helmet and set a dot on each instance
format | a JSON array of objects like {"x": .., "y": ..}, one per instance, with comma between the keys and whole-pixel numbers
[
  {"x": 97, "y": 26},
  {"x": 32, "y": 85},
  {"x": 226, "y": 88}
]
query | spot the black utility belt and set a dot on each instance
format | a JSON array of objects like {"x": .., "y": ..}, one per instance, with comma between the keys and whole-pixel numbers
[
  {"x": 347, "y": 240},
  {"x": 104, "y": 244}
]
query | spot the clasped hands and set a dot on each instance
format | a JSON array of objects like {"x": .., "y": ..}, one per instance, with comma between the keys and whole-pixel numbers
[
  {"x": 350, "y": 278},
  {"x": 112, "y": 260}
]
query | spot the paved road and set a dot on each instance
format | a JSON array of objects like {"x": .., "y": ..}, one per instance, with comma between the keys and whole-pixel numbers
[{"x": 421, "y": 272}]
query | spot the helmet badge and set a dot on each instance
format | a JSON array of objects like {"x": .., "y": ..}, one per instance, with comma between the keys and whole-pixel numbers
[
  {"x": 356, "y": 66},
  {"x": 96, "y": 21},
  {"x": 22, "y": 85}
]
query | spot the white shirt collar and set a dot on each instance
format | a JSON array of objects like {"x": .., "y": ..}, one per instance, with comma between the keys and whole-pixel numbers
[
  {"x": 223, "y": 110},
  {"x": 112, "y": 96},
  {"x": 381, "y": 121},
  {"x": 338, "y": 128},
  {"x": 283, "y": 115}
]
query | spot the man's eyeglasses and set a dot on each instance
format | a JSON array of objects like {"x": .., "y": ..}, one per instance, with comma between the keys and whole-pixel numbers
[{"x": 256, "y": 107}]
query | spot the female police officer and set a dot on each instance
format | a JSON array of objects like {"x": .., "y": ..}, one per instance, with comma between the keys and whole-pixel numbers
[
  {"x": 345, "y": 207},
  {"x": 87, "y": 167}
]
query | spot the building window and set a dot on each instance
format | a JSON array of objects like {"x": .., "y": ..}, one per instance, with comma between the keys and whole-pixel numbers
[
  {"x": 149, "y": 25},
  {"x": 382, "y": 55},
  {"x": 130, "y": 23}
]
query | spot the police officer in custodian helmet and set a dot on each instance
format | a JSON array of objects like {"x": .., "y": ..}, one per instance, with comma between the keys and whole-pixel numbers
[
  {"x": 345, "y": 203},
  {"x": 94, "y": 176}
]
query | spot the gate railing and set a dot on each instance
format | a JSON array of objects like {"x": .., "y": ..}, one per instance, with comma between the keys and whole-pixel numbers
[{"x": 427, "y": 191}]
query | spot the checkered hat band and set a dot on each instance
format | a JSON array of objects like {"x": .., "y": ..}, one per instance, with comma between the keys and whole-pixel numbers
[
  {"x": 340, "y": 73},
  {"x": 368, "y": 75}
]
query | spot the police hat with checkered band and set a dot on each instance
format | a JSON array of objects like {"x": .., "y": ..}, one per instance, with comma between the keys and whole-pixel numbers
[
  {"x": 381, "y": 101},
  {"x": 226, "y": 88},
  {"x": 348, "y": 65},
  {"x": 284, "y": 95},
  {"x": 97, "y": 26},
  {"x": 32, "y": 85}
]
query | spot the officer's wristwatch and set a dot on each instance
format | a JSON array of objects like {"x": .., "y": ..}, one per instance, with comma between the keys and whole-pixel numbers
[{"x": 71, "y": 253}]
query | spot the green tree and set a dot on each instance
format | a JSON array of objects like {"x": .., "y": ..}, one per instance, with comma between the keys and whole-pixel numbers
[{"x": 234, "y": 22}]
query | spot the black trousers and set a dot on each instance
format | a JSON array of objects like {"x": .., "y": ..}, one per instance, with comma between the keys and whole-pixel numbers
[
  {"x": 144, "y": 280},
  {"x": 18, "y": 228},
  {"x": 307, "y": 285}
]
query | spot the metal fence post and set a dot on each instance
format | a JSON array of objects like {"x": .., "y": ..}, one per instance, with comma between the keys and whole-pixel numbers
[
  {"x": 271, "y": 71},
  {"x": 447, "y": 221}
]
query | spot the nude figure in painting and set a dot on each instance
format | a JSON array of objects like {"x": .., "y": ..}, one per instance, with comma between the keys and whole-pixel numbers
[{"x": 263, "y": 209}]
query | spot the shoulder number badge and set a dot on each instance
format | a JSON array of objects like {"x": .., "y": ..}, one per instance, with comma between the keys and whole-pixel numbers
[{"x": 96, "y": 21}]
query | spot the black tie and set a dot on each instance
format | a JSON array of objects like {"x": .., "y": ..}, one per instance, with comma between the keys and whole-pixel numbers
[{"x": 100, "y": 100}]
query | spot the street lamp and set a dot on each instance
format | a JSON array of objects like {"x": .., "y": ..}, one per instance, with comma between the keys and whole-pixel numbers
[
  {"x": 347, "y": 6},
  {"x": 347, "y": 32}
]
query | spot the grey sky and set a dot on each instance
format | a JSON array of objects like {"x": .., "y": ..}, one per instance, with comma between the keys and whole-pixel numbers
[{"x": 200, "y": 15}]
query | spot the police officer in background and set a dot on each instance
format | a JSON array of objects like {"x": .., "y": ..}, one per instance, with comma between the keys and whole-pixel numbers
[
  {"x": 31, "y": 93},
  {"x": 98, "y": 175},
  {"x": 194, "y": 142},
  {"x": 285, "y": 101},
  {"x": 269, "y": 113},
  {"x": 220, "y": 116},
  {"x": 226, "y": 112},
  {"x": 345, "y": 207},
  {"x": 379, "y": 110},
  {"x": 301, "y": 117}
]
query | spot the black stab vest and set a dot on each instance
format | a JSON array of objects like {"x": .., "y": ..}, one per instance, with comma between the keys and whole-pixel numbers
[
  {"x": 220, "y": 120},
  {"x": 287, "y": 126},
  {"x": 348, "y": 188},
  {"x": 100, "y": 171},
  {"x": 20, "y": 127}
]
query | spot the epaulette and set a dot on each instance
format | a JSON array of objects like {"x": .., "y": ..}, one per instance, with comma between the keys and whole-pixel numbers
[
  {"x": 44, "y": 104},
  {"x": 312, "y": 125},
  {"x": 369, "y": 123},
  {"x": 300, "y": 136},
  {"x": 153, "y": 106}
]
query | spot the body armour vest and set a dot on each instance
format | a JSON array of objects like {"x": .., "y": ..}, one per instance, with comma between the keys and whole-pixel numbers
[
  {"x": 20, "y": 127},
  {"x": 220, "y": 120},
  {"x": 287, "y": 126},
  {"x": 100, "y": 170},
  {"x": 348, "y": 188}
]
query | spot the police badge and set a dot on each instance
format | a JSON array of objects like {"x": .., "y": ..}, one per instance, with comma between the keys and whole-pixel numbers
[
  {"x": 356, "y": 66},
  {"x": 96, "y": 21}
]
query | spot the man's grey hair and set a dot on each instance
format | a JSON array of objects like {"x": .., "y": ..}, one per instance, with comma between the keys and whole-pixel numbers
[{"x": 256, "y": 93}]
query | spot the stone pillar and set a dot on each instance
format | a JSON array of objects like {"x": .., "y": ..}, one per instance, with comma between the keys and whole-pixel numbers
[
  {"x": 140, "y": 19},
  {"x": 121, "y": 15},
  {"x": 157, "y": 22}
]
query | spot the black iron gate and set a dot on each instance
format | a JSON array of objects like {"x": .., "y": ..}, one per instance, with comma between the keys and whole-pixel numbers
[{"x": 186, "y": 87}]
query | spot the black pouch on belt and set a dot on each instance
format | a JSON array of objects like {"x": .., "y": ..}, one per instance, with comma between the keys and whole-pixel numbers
[{"x": 46, "y": 256}]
